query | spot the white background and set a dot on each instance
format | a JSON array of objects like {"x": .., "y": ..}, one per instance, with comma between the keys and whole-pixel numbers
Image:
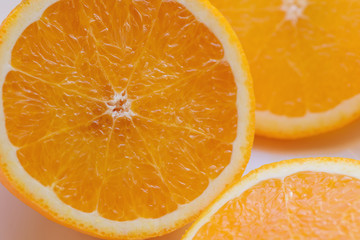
[{"x": 19, "y": 222}]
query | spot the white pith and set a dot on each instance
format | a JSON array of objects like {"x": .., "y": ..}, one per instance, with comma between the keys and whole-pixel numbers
[
  {"x": 125, "y": 108},
  {"x": 270, "y": 124},
  {"x": 279, "y": 170},
  {"x": 139, "y": 226},
  {"x": 294, "y": 9}
]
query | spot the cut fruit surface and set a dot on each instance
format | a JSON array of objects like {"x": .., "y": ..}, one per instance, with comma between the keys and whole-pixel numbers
[
  {"x": 304, "y": 57},
  {"x": 122, "y": 119},
  {"x": 314, "y": 198}
]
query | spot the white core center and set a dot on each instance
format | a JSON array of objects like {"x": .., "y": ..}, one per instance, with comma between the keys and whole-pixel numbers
[
  {"x": 120, "y": 106},
  {"x": 294, "y": 9}
]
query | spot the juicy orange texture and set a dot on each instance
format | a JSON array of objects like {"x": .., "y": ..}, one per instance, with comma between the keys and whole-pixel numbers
[
  {"x": 305, "y": 205},
  {"x": 304, "y": 57},
  {"x": 304, "y": 54},
  {"x": 124, "y": 107}
]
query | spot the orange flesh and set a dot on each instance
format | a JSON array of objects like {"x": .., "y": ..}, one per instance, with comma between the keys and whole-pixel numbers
[
  {"x": 122, "y": 107},
  {"x": 309, "y": 63},
  {"x": 305, "y": 205}
]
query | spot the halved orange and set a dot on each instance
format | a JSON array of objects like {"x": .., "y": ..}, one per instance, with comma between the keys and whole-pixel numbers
[
  {"x": 122, "y": 119},
  {"x": 313, "y": 198},
  {"x": 304, "y": 57}
]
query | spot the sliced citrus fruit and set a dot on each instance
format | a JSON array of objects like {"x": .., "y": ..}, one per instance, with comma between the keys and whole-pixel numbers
[
  {"x": 305, "y": 61},
  {"x": 122, "y": 119},
  {"x": 313, "y": 198}
]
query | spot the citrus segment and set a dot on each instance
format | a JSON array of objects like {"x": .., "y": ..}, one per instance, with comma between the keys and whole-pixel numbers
[
  {"x": 130, "y": 168},
  {"x": 127, "y": 117},
  {"x": 181, "y": 47},
  {"x": 251, "y": 216},
  {"x": 68, "y": 162},
  {"x": 331, "y": 199},
  {"x": 183, "y": 157},
  {"x": 279, "y": 201},
  {"x": 36, "y": 108},
  {"x": 121, "y": 31},
  {"x": 64, "y": 54},
  {"x": 184, "y": 103},
  {"x": 304, "y": 62}
]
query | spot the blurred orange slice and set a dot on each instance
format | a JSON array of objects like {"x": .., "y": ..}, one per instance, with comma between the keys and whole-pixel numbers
[
  {"x": 315, "y": 198},
  {"x": 305, "y": 60},
  {"x": 122, "y": 119}
]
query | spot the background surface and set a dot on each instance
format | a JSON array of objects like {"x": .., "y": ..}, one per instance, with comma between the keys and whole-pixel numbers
[{"x": 19, "y": 222}]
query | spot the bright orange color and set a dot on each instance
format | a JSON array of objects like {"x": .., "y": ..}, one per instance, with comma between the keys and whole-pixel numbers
[
  {"x": 302, "y": 205},
  {"x": 305, "y": 59},
  {"x": 123, "y": 108},
  {"x": 56, "y": 107}
]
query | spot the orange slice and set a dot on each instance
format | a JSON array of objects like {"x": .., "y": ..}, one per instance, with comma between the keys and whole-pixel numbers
[
  {"x": 305, "y": 60},
  {"x": 122, "y": 119},
  {"x": 313, "y": 198}
]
